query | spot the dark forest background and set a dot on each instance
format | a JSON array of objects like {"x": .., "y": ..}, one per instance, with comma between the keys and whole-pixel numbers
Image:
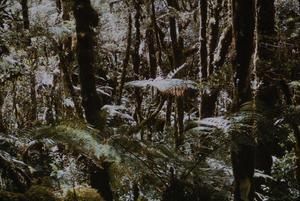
[{"x": 139, "y": 100}]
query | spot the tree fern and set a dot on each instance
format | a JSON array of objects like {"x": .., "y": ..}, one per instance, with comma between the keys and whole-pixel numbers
[{"x": 82, "y": 140}]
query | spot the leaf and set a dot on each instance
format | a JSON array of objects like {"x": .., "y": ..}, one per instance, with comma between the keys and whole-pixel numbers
[{"x": 175, "y": 87}]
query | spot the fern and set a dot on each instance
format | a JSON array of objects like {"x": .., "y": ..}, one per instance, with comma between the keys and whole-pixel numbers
[
  {"x": 175, "y": 87},
  {"x": 81, "y": 140}
]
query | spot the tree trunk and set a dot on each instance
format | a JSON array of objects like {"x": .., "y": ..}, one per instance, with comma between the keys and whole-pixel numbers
[
  {"x": 157, "y": 34},
  {"x": 151, "y": 51},
  {"x": 87, "y": 18},
  {"x": 213, "y": 35},
  {"x": 2, "y": 127},
  {"x": 178, "y": 60},
  {"x": 126, "y": 59},
  {"x": 65, "y": 60},
  {"x": 267, "y": 94},
  {"x": 243, "y": 21},
  {"x": 266, "y": 34},
  {"x": 136, "y": 59},
  {"x": 222, "y": 48},
  {"x": 243, "y": 153},
  {"x": 25, "y": 14},
  {"x": 209, "y": 103},
  {"x": 66, "y": 6},
  {"x": 203, "y": 38}
]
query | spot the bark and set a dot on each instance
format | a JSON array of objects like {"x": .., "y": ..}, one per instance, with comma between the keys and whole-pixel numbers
[
  {"x": 33, "y": 112},
  {"x": 26, "y": 25},
  {"x": 25, "y": 14},
  {"x": 203, "y": 38},
  {"x": 266, "y": 34},
  {"x": 169, "y": 111},
  {"x": 136, "y": 59},
  {"x": 157, "y": 32},
  {"x": 87, "y": 18},
  {"x": 58, "y": 5},
  {"x": 151, "y": 51},
  {"x": 243, "y": 21},
  {"x": 126, "y": 59},
  {"x": 14, "y": 103},
  {"x": 267, "y": 94},
  {"x": 66, "y": 8},
  {"x": 214, "y": 34},
  {"x": 222, "y": 48},
  {"x": 65, "y": 60},
  {"x": 2, "y": 127},
  {"x": 243, "y": 153},
  {"x": 178, "y": 60},
  {"x": 209, "y": 103}
]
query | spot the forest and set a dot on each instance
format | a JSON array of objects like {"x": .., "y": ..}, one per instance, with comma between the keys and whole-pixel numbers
[{"x": 149, "y": 100}]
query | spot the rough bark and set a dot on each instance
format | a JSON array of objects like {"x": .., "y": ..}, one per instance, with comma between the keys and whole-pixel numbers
[
  {"x": 87, "y": 18},
  {"x": 222, "y": 48},
  {"x": 213, "y": 35}
]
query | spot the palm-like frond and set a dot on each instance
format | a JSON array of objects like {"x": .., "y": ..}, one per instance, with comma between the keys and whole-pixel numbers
[
  {"x": 175, "y": 87},
  {"x": 81, "y": 140}
]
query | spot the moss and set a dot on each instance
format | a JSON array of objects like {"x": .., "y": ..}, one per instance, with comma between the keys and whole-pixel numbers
[
  {"x": 83, "y": 194},
  {"x": 10, "y": 196},
  {"x": 40, "y": 193}
]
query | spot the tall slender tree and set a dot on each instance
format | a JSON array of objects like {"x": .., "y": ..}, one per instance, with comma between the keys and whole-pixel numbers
[
  {"x": 86, "y": 19},
  {"x": 243, "y": 151},
  {"x": 2, "y": 127},
  {"x": 203, "y": 38},
  {"x": 243, "y": 22},
  {"x": 25, "y": 14},
  {"x": 178, "y": 60},
  {"x": 136, "y": 59}
]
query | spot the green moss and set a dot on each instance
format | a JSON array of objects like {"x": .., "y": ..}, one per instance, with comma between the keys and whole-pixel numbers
[
  {"x": 10, "y": 196},
  {"x": 40, "y": 193},
  {"x": 83, "y": 194}
]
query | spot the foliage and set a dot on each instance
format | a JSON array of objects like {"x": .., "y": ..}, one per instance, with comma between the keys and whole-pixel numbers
[
  {"x": 9, "y": 196},
  {"x": 47, "y": 142},
  {"x": 83, "y": 194},
  {"x": 40, "y": 193},
  {"x": 175, "y": 87}
]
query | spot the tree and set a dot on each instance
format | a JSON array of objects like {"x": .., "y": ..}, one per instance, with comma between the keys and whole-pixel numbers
[
  {"x": 86, "y": 19},
  {"x": 243, "y": 152}
]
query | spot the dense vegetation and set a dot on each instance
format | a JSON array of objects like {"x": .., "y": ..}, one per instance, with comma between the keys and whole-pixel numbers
[{"x": 173, "y": 100}]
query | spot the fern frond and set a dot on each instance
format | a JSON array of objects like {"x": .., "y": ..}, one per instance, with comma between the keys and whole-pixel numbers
[
  {"x": 81, "y": 140},
  {"x": 175, "y": 87},
  {"x": 175, "y": 71}
]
